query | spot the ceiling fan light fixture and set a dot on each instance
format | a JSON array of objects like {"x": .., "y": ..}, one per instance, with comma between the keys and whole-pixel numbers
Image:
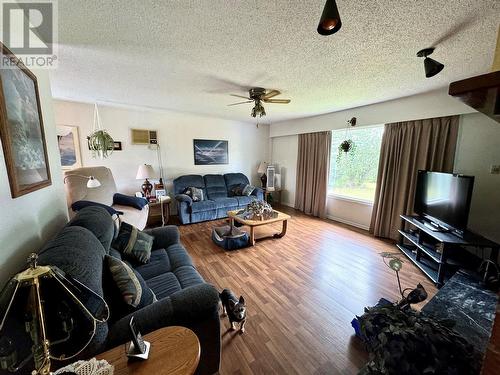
[
  {"x": 431, "y": 66},
  {"x": 258, "y": 110},
  {"x": 330, "y": 21},
  {"x": 259, "y": 95}
]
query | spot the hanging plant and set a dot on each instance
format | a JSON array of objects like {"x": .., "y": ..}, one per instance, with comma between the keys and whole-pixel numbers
[
  {"x": 347, "y": 146},
  {"x": 100, "y": 142}
]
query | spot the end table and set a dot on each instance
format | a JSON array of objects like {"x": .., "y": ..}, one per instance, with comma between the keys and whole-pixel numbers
[
  {"x": 174, "y": 350},
  {"x": 159, "y": 211},
  {"x": 268, "y": 193}
]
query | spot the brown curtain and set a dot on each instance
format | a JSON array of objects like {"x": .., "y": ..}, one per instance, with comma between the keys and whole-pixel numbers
[
  {"x": 313, "y": 164},
  {"x": 407, "y": 147}
]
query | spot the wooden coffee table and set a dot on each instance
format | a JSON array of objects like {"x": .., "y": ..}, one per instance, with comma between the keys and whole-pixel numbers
[
  {"x": 174, "y": 350},
  {"x": 257, "y": 223}
]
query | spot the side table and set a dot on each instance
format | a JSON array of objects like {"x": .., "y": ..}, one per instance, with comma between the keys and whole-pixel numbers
[
  {"x": 159, "y": 212},
  {"x": 174, "y": 351},
  {"x": 268, "y": 193}
]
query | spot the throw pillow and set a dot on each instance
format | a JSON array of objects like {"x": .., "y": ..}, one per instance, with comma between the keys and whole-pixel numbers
[
  {"x": 238, "y": 190},
  {"x": 195, "y": 193},
  {"x": 82, "y": 204},
  {"x": 129, "y": 283},
  {"x": 133, "y": 243},
  {"x": 248, "y": 190},
  {"x": 130, "y": 200}
]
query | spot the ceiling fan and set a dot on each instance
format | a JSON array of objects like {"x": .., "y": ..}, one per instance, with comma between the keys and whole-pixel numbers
[{"x": 259, "y": 95}]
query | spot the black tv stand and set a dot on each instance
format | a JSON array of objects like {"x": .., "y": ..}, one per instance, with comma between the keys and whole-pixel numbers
[
  {"x": 434, "y": 226},
  {"x": 439, "y": 254}
]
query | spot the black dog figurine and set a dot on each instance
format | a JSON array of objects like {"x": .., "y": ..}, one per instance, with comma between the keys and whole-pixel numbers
[{"x": 234, "y": 308}]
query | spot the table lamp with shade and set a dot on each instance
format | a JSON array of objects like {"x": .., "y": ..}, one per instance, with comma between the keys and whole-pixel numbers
[
  {"x": 144, "y": 172},
  {"x": 262, "y": 171},
  {"x": 46, "y": 315}
]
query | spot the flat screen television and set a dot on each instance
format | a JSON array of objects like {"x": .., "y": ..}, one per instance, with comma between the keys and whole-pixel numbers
[{"x": 444, "y": 199}]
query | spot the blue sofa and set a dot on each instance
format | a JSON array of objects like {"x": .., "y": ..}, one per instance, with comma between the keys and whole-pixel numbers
[
  {"x": 218, "y": 196},
  {"x": 184, "y": 298}
]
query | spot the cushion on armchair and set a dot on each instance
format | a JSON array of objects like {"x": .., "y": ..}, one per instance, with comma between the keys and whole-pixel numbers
[
  {"x": 130, "y": 200},
  {"x": 77, "y": 206}
]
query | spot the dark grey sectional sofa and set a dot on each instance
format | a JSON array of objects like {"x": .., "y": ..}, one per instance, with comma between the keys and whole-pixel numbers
[
  {"x": 184, "y": 298},
  {"x": 217, "y": 189}
]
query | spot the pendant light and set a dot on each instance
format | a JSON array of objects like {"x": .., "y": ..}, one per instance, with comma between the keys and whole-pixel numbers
[
  {"x": 330, "y": 19},
  {"x": 432, "y": 67}
]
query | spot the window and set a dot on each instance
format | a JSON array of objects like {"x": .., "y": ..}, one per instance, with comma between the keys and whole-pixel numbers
[{"x": 354, "y": 175}]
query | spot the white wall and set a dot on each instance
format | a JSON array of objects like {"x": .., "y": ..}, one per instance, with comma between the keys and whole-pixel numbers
[
  {"x": 27, "y": 222},
  {"x": 284, "y": 155},
  {"x": 349, "y": 211},
  {"x": 285, "y": 140},
  {"x": 432, "y": 104},
  {"x": 248, "y": 145},
  {"x": 478, "y": 149}
]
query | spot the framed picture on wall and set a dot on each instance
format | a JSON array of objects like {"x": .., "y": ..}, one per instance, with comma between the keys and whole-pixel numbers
[
  {"x": 21, "y": 128},
  {"x": 68, "y": 142},
  {"x": 208, "y": 152}
]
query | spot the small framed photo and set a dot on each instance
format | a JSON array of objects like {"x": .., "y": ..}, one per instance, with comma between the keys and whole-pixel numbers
[
  {"x": 160, "y": 193},
  {"x": 117, "y": 146}
]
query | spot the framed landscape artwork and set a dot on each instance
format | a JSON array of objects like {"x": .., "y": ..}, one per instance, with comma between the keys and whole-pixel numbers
[
  {"x": 208, "y": 152},
  {"x": 68, "y": 142},
  {"x": 21, "y": 129}
]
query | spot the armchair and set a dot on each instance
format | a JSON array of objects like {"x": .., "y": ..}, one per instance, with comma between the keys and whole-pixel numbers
[{"x": 76, "y": 190}]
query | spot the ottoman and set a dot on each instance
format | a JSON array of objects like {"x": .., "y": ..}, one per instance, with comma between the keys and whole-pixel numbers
[{"x": 230, "y": 237}]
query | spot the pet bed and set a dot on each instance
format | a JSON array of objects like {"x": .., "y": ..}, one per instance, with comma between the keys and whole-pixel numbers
[{"x": 230, "y": 237}]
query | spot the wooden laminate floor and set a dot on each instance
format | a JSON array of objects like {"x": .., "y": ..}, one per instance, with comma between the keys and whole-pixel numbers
[{"x": 302, "y": 291}]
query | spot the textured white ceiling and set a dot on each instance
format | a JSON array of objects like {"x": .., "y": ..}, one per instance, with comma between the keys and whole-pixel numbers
[{"x": 189, "y": 55}]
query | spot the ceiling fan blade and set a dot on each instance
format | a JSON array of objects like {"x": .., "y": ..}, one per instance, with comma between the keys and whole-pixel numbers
[
  {"x": 277, "y": 101},
  {"x": 271, "y": 94},
  {"x": 240, "y": 96},
  {"x": 249, "y": 101}
]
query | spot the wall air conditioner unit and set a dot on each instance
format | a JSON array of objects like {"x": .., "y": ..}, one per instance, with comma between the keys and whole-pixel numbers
[
  {"x": 144, "y": 137},
  {"x": 270, "y": 178}
]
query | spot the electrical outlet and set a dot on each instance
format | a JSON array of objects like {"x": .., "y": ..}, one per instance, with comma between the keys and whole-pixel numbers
[{"x": 495, "y": 169}]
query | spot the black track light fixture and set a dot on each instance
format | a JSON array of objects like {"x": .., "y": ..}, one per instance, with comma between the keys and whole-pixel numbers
[
  {"x": 330, "y": 19},
  {"x": 432, "y": 67}
]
